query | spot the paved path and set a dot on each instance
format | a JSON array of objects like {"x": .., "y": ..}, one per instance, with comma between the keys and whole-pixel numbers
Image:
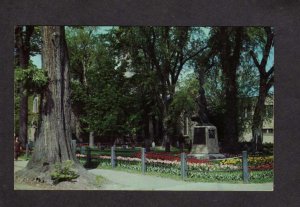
[
  {"x": 130, "y": 181},
  {"x": 119, "y": 180}
]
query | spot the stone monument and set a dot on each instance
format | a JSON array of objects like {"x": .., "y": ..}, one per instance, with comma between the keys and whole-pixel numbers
[
  {"x": 205, "y": 143},
  {"x": 204, "y": 135}
]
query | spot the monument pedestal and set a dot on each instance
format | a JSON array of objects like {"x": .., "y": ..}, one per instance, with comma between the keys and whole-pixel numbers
[{"x": 205, "y": 143}]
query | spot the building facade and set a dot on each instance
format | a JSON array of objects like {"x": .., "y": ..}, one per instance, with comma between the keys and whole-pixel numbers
[{"x": 248, "y": 107}]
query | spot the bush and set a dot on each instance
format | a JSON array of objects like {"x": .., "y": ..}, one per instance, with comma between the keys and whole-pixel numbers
[
  {"x": 268, "y": 148},
  {"x": 64, "y": 172}
]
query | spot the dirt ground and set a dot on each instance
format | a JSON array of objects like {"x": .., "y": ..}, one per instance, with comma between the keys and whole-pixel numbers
[{"x": 78, "y": 184}]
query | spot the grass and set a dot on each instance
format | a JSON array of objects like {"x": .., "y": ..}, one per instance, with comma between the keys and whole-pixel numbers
[{"x": 23, "y": 157}]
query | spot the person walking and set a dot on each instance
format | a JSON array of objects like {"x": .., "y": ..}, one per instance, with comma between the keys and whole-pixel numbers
[{"x": 17, "y": 148}]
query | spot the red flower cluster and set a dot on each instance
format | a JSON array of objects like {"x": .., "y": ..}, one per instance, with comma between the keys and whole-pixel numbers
[
  {"x": 168, "y": 156},
  {"x": 268, "y": 166}
]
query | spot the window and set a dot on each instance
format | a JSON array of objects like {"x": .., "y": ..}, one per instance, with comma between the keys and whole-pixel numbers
[{"x": 268, "y": 131}]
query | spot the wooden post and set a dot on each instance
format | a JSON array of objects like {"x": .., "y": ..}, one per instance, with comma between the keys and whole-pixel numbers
[
  {"x": 89, "y": 156},
  {"x": 143, "y": 159},
  {"x": 183, "y": 165},
  {"x": 113, "y": 157},
  {"x": 91, "y": 139},
  {"x": 245, "y": 167}
]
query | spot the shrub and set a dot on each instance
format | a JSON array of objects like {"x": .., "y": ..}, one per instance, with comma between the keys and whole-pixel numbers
[{"x": 64, "y": 172}]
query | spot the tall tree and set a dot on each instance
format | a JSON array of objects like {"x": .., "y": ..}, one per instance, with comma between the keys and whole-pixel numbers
[
  {"x": 53, "y": 144},
  {"x": 228, "y": 42},
  {"x": 22, "y": 45},
  {"x": 266, "y": 81}
]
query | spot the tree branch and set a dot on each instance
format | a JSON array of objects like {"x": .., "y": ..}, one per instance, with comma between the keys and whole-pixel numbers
[
  {"x": 270, "y": 83},
  {"x": 195, "y": 54},
  {"x": 253, "y": 55},
  {"x": 270, "y": 71},
  {"x": 270, "y": 37}
]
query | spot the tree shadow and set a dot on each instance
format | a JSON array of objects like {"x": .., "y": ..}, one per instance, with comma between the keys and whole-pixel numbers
[{"x": 93, "y": 164}]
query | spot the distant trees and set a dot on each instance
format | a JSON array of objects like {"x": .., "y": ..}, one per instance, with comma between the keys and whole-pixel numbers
[{"x": 164, "y": 51}]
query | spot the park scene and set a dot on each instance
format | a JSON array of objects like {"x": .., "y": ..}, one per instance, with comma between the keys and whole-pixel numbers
[{"x": 143, "y": 108}]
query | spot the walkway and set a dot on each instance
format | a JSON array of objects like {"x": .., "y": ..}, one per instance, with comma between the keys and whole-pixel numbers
[{"x": 130, "y": 181}]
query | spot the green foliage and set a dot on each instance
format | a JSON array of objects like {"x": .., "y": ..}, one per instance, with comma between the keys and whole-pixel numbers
[
  {"x": 184, "y": 98},
  {"x": 32, "y": 78},
  {"x": 111, "y": 105},
  {"x": 104, "y": 99},
  {"x": 64, "y": 172}
]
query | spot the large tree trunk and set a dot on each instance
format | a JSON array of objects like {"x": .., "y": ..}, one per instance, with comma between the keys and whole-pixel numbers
[
  {"x": 53, "y": 144},
  {"x": 230, "y": 62}
]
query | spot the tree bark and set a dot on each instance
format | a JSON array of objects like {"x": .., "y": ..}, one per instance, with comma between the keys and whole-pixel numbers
[{"x": 53, "y": 144}]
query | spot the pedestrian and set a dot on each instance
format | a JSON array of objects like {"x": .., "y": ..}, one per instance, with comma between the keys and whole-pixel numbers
[{"x": 17, "y": 148}]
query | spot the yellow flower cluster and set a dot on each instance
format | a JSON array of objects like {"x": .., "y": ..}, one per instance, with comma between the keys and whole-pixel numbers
[
  {"x": 251, "y": 160},
  {"x": 260, "y": 160},
  {"x": 231, "y": 161}
]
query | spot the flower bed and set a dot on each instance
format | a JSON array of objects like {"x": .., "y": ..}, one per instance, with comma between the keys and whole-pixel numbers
[{"x": 224, "y": 170}]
